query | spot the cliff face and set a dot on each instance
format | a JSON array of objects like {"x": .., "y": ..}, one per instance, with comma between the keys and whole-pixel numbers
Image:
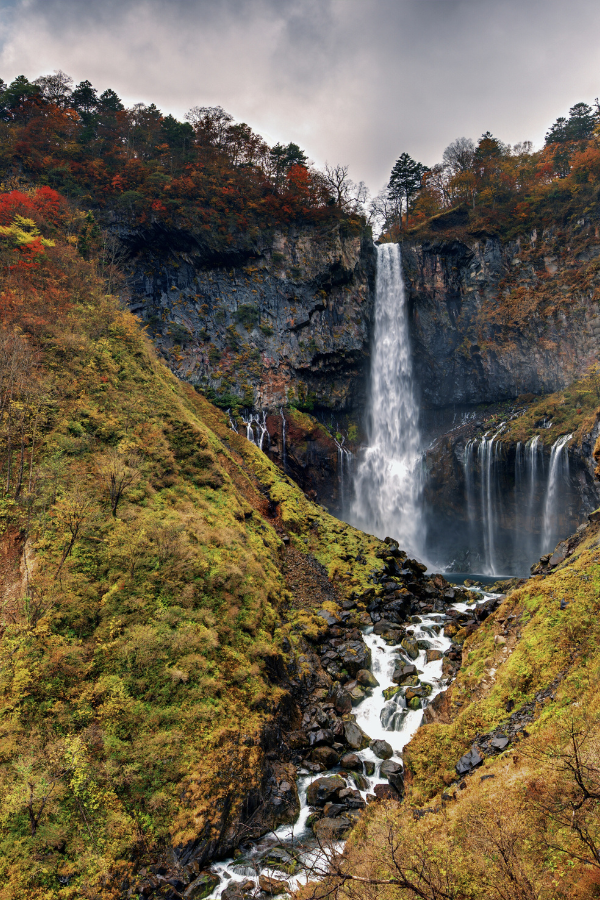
[
  {"x": 274, "y": 321},
  {"x": 492, "y": 321}
]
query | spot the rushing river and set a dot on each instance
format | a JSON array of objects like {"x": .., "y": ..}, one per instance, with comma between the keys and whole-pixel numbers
[{"x": 381, "y": 719}]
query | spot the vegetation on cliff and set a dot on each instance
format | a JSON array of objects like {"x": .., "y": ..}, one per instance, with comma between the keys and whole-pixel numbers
[
  {"x": 144, "y": 595},
  {"x": 489, "y": 187}
]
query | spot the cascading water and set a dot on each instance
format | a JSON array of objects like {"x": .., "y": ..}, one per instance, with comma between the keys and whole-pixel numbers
[
  {"x": 559, "y": 472},
  {"x": 345, "y": 458},
  {"x": 388, "y": 482}
]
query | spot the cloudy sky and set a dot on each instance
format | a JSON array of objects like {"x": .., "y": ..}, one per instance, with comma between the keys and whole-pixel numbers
[{"x": 351, "y": 81}]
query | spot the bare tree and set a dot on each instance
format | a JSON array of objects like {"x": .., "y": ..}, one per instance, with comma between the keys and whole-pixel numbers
[
  {"x": 348, "y": 195},
  {"x": 74, "y": 512},
  {"x": 458, "y": 156}
]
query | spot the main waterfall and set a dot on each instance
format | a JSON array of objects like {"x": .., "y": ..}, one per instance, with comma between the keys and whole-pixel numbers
[{"x": 388, "y": 480}]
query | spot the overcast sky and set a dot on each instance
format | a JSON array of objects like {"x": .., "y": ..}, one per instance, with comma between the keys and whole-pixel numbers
[{"x": 352, "y": 81}]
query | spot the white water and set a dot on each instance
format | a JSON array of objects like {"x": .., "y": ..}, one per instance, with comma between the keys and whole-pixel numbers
[
  {"x": 559, "y": 471},
  {"x": 400, "y": 730},
  {"x": 388, "y": 481}
]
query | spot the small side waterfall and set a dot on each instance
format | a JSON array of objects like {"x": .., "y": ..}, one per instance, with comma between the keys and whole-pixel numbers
[
  {"x": 388, "y": 483},
  {"x": 515, "y": 512},
  {"x": 559, "y": 472},
  {"x": 283, "y": 447},
  {"x": 345, "y": 458},
  {"x": 256, "y": 428}
]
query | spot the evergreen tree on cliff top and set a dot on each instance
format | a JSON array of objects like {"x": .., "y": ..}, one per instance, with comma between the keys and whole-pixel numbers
[{"x": 406, "y": 180}]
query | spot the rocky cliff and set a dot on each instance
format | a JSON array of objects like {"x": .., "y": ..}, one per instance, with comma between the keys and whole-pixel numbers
[
  {"x": 278, "y": 320},
  {"x": 492, "y": 320}
]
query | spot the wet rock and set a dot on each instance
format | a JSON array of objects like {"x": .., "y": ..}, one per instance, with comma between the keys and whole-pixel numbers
[
  {"x": 331, "y": 810},
  {"x": 369, "y": 767},
  {"x": 343, "y": 702},
  {"x": 323, "y": 789},
  {"x": 234, "y": 891},
  {"x": 357, "y": 694},
  {"x": 326, "y": 756},
  {"x": 411, "y": 648},
  {"x": 354, "y": 655},
  {"x": 279, "y": 858},
  {"x": 202, "y": 886},
  {"x": 386, "y": 792},
  {"x": 272, "y": 886},
  {"x": 352, "y": 762},
  {"x": 360, "y": 781},
  {"x": 433, "y": 655},
  {"x": 469, "y": 761},
  {"x": 366, "y": 679},
  {"x": 355, "y": 736},
  {"x": 390, "y": 692},
  {"x": 424, "y": 645},
  {"x": 390, "y": 767},
  {"x": 329, "y": 618},
  {"x": 404, "y": 671},
  {"x": 322, "y": 736},
  {"x": 381, "y": 749},
  {"x": 332, "y": 829}
]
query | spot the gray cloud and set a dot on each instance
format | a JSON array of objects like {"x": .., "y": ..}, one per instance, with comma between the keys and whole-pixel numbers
[{"x": 353, "y": 81}]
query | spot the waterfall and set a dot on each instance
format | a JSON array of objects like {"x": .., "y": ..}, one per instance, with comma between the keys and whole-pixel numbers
[
  {"x": 387, "y": 485},
  {"x": 283, "y": 449},
  {"x": 256, "y": 428},
  {"x": 559, "y": 471},
  {"x": 345, "y": 458}
]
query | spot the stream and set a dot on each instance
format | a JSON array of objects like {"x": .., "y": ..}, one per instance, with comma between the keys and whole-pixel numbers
[{"x": 382, "y": 720}]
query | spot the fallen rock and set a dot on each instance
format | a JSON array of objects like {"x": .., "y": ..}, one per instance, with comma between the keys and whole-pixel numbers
[
  {"x": 202, "y": 886},
  {"x": 272, "y": 886},
  {"x": 366, "y": 679},
  {"x": 469, "y": 761},
  {"x": 323, "y": 789},
  {"x": 331, "y": 829},
  {"x": 355, "y": 736},
  {"x": 352, "y": 762},
  {"x": 381, "y": 749},
  {"x": 433, "y": 655},
  {"x": 326, "y": 756},
  {"x": 386, "y": 792}
]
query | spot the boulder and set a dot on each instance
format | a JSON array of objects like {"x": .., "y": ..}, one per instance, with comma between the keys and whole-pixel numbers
[
  {"x": 272, "y": 886},
  {"x": 390, "y": 692},
  {"x": 355, "y": 736},
  {"x": 354, "y": 655},
  {"x": 332, "y": 829},
  {"x": 360, "y": 781},
  {"x": 389, "y": 767},
  {"x": 352, "y": 762},
  {"x": 343, "y": 702},
  {"x": 331, "y": 810},
  {"x": 403, "y": 671},
  {"x": 322, "y": 736},
  {"x": 369, "y": 767},
  {"x": 433, "y": 655},
  {"x": 366, "y": 679},
  {"x": 279, "y": 858},
  {"x": 202, "y": 886},
  {"x": 234, "y": 891},
  {"x": 326, "y": 756},
  {"x": 381, "y": 749},
  {"x": 386, "y": 792},
  {"x": 500, "y": 742},
  {"x": 357, "y": 694},
  {"x": 469, "y": 761},
  {"x": 410, "y": 648},
  {"x": 323, "y": 789}
]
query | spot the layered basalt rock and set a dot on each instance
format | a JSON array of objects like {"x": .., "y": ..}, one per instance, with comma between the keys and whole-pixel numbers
[
  {"x": 280, "y": 319},
  {"x": 491, "y": 320}
]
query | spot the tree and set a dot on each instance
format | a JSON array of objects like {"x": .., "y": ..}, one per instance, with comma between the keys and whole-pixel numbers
[
  {"x": 56, "y": 88},
  {"x": 458, "y": 156},
  {"x": 406, "y": 180},
  {"x": 85, "y": 98},
  {"x": 118, "y": 472},
  {"x": 578, "y": 127},
  {"x": 349, "y": 196},
  {"x": 282, "y": 159}
]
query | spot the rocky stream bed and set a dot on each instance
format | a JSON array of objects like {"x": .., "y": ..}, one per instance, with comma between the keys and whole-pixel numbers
[{"x": 363, "y": 689}]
